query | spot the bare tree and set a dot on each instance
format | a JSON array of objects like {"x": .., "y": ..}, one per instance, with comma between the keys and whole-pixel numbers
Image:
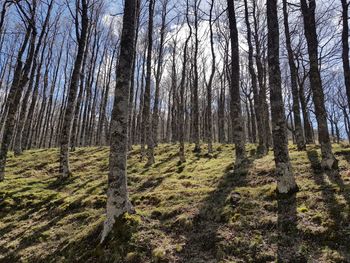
[
  {"x": 146, "y": 118},
  {"x": 345, "y": 43},
  {"x": 299, "y": 135},
  {"x": 262, "y": 144},
  {"x": 308, "y": 11},
  {"x": 235, "y": 106},
  {"x": 285, "y": 179},
  {"x": 20, "y": 79},
  {"x": 73, "y": 87},
  {"x": 118, "y": 201}
]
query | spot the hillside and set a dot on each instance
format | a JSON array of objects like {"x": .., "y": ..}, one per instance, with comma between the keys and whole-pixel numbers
[{"x": 201, "y": 211}]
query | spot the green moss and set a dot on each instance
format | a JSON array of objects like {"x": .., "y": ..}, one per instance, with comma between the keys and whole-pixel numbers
[
  {"x": 132, "y": 257},
  {"x": 184, "y": 211},
  {"x": 184, "y": 222},
  {"x": 159, "y": 255},
  {"x": 303, "y": 209}
]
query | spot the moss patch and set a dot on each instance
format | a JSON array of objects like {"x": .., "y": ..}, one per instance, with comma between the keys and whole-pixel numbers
[{"x": 203, "y": 210}]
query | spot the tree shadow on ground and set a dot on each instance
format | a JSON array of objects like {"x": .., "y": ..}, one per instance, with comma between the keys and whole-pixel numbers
[
  {"x": 202, "y": 238},
  {"x": 150, "y": 184},
  {"x": 344, "y": 153},
  {"x": 336, "y": 236},
  {"x": 287, "y": 232}
]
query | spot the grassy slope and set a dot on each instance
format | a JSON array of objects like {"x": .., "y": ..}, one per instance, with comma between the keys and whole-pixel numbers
[{"x": 200, "y": 211}]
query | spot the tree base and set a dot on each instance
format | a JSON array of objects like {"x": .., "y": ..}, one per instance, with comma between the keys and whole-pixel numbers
[
  {"x": 17, "y": 153},
  {"x": 301, "y": 147},
  {"x": 330, "y": 163},
  {"x": 241, "y": 161},
  {"x": 150, "y": 162},
  {"x": 182, "y": 159},
  {"x": 65, "y": 173},
  {"x": 112, "y": 221},
  {"x": 261, "y": 150},
  {"x": 197, "y": 149},
  {"x": 290, "y": 192}
]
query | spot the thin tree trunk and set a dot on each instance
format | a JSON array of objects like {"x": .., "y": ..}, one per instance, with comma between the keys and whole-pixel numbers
[
  {"x": 236, "y": 112},
  {"x": 20, "y": 78},
  {"x": 299, "y": 135},
  {"x": 345, "y": 43},
  {"x": 155, "y": 115},
  {"x": 262, "y": 137},
  {"x": 18, "y": 147},
  {"x": 146, "y": 120},
  {"x": 210, "y": 83},
  {"x": 72, "y": 94},
  {"x": 328, "y": 159},
  {"x": 196, "y": 136}
]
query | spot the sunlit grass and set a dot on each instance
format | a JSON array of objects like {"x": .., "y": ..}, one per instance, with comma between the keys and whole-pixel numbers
[{"x": 185, "y": 212}]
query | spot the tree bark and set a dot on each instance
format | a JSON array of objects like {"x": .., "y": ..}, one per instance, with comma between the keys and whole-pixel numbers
[
  {"x": 24, "y": 107},
  {"x": 285, "y": 179},
  {"x": 196, "y": 136},
  {"x": 72, "y": 94},
  {"x": 20, "y": 79},
  {"x": 328, "y": 159},
  {"x": 210, "y": 83},
  {"x": 159, "y": 71},
  {"x": 345, "y": 44},
  {"x": 261, "y": 75},
  {"x": 299, "y": 136},
  {"x": 262, "y": 138},
  {"x": 146, "y": 113},
  {"x": 235, "y": 104},
  {"x": 181, "y": 114},
  {"x": 118, "y": 201}
]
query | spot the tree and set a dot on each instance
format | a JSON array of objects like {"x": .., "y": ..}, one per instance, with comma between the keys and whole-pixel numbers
[
  {"x": 262, "y": 144},
  {"x": 308, "y": 11},
  {"x": 235, "y": 105},
  {"x": 196, "y": 135},
  {"x": 285, "y": 179},
  {"x": 299, "y": 136},
  {"x": 159, "y": 71},
  {"x": 259, "y": 22},
  {"x": 210, "y": 82},
  {"x": 182, "y": 91},
  {"x": 18, "y": 147},
  {"x": 146, "y": 118},
  {"x": 73, "y": 88},
  {"x": 345, "y": 43},
  {"x": 20, "y": 79},
  {"x": 118, "y": 201}
]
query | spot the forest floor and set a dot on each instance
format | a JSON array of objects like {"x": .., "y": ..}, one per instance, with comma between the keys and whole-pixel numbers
[{"x": 203, "y": 210}]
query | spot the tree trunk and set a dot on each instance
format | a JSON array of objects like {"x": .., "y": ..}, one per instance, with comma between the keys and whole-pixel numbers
[
  {"x": 299, "y": 136},
  {"x": 146, "y": 120},
  {"x": 118, "y": 201},
  {"x": 72, "y": 94},
  {"x": 262, "y": 84},
  {"x": 20, "y": 78},
  {"x": 236, "y": 112},
  {"x": 328, "y": 159},
  {"x": 159, "y": 71},
  {"x": 285, "y": 179},
  {"x": 196, "y": 136},
  {"x": 345, "y": 43},
  {"x": 18, "y": 147},
  {"x": 210, "y": 83},
  {"x": 262, "y": 137}
]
